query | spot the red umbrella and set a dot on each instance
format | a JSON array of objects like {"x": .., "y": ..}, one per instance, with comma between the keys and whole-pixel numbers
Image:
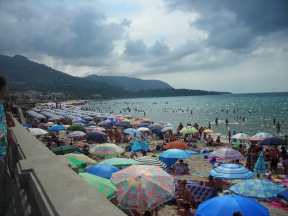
[{"x": 176, "y": 145}]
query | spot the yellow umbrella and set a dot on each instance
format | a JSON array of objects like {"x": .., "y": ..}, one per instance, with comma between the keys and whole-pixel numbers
[
  {"x": 127, "y": 120},
  {"x": 208, "y": 131}
]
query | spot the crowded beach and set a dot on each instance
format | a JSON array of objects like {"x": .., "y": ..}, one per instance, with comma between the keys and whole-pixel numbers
[{"x": 168, "y": 169}]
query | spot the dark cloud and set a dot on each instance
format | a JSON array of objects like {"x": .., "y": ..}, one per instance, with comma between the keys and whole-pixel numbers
[
  {"x": 159, "y": 49},
  {"x": 59, "y": 32},
  {"x": 135, "y": 50},
  {"x": 235, "y": 24}
]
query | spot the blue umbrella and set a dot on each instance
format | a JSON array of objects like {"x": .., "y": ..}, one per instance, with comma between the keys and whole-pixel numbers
[
  {"x": 144, "y": 124},
  {"x": 231, "y": 172},
  {"x": 132, "y": 132},
  {"x": 171, "y": 156},
  {"x": 283, "y": 195},
  {"x": 57, "y": 128},
  {"x": 257, "y": 189},
  {"x": 81, "y": 121},
  {"x": 123, "y": 124},
  {"x": 272, "y": 141},
  {"x": 95, "y": 136},
  {"x": 228, "y": 204},
  {"x": 112, "y": 122},
  {"x": 102, "y": 170},
  {"x": 260, "y": 166},
  {"x": 159, "y": 133}
]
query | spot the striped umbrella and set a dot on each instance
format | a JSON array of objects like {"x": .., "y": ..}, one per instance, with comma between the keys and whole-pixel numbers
[
  {"x": 227, "y": 153},
  {"x": 76, "y": 134},
  {"x": 231, "y": 172},
  {"x": 150, "y": 161},
  {"x": 106, "y": 149},
  {"x": 120, "y": 162},
  {"x": 261, "y": 136},
  {"x": 260, "y": 165},
  {"x": 241, "y": 136},
  {"x": 98, "y": 129}
]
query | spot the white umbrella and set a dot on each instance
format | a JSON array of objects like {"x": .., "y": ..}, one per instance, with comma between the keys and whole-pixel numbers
[
  {"x": 142, "y": 129},
  {"x": 37, "y": 131}
]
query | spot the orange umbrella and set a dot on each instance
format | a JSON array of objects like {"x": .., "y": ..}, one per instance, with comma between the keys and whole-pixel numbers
[
  {"x": 146, "y": 120},
  {"x": 177, "y": 145},
  {"x": 135, "y": 123},
  {"x": 119, "y": 118}
]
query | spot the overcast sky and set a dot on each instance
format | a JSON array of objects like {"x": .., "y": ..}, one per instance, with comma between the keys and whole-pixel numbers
[{"x": 239, "y": 46}]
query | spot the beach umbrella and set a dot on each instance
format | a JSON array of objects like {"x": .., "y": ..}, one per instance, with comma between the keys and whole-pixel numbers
[
  {"x": 26, "y": 125},
  {"x": 98, "y": 129},
  {"x": 167, "y": 124},
  {"x": 227, "y": 153},
  {"x": 171, "y": 156},
  {"x": 132, "y": 132},
  {"x": 260, "y": 166},
  {"x": 228, "y": 204},
  {"x": 261, "y": 136},
  {"x": 81, "y": 157},
  {"x": 37, "y": 131},
  {"x": 231, "y": 172},
  {"x": 119, "y": 118},
  {"x": 112, "y": 122},
  {"x": 143, "y": 187},
  {"x": 49, "y": 124},
  {"x": 156, "y": 126},
  {"x": 272, "y": 141},
  {"x": 123, "y": 124},
  {"x": 81, "y": 121},
  {"x": 62, "y": 150},
  {"x": 120, "y": 162},
  {"x": 188, "y": 130},
  {"x": 159, "y": 133},
  {"x": 283, "y": 195},
  {"x": 136, "y": 122},
  {"x": 146, "y": 120},
  {"x": 76, "y": 127},
  {"x": 106, "y": 149},
  {"x": 150, "y": 161},
  {"x": 104, "y": 186},
  {"x": 78, "y": 163},
  {"x": 166, "y": 129},
  {"x": 143, "y": 129},
  {"x": 57, "y": 128},
  {"x": 126, "y": 120},
  {"x": 144, "y": 124},
  {"x": 241, "y": 136},
  {"x": 102, "y": 170},
  {"x": 95, "y": 136},
  {"x": 76, "y": 134},
  {"x": 176, "y": 145},
  {"x": 208, "y": 131},
  {"x": 257, "y": 189}
]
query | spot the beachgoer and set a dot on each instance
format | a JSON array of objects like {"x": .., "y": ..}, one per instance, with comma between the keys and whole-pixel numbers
[
  {"x": 284, "y": 158},
  {"x": 229, "y": 137},
  {"x": 180, "y": 126},
  {"x": 252, "y": 156},
  {"x": 278, "y": 126},
  {"x": 275, "y": 155},
  {"x": 226, "y": 121},
  {"x": 241, "y": 149},
  {"x": 6, "y": 187},
  {"x": 209, "y": 125},
  {"x": 237, "y": 213},
  {"x": 184, "y": 195},
  {"x": 180, "y": 168},
  {"x": 285, "y": 139}
]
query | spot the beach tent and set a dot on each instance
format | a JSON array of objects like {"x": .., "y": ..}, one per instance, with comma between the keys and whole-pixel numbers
[{"x": 62, "y": 150}]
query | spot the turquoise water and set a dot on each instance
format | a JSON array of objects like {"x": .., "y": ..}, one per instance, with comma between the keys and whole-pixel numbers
[{"x": 253, "y": 107}]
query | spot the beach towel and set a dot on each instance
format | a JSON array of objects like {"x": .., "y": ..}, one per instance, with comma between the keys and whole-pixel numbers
[
  {"x": 174, "y": 173},
  {"x": 276, "y": 204}
]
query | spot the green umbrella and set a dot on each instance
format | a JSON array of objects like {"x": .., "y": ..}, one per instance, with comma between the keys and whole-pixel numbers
[
  {"x": 76, "y": 127},
  {"x": 104, "y": 186},
  {"x": 62, "y": 150},
  {"x": 119, "y": 162},
  {"x": 80, "y": 164},
  {"x": 189, "y": 130}
]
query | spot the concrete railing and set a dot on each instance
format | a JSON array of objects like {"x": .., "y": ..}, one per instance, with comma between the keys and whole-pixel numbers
[{"x": 49, "y": 185}]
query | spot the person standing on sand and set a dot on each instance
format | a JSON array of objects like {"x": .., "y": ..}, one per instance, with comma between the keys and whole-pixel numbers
[
  {"x": 229, "y": 137},
  {"x": 275, "y": 155}
]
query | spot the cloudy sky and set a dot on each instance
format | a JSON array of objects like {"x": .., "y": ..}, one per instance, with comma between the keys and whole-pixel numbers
[{"x": 240, "y": 46}]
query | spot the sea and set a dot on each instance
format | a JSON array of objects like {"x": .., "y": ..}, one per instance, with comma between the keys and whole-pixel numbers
[{"x": 247, "y": 113}]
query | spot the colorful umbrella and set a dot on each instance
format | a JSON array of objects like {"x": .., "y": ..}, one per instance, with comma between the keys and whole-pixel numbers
[
  {"x": 176, "y": 145},
  {"x": 102, "y": 170},
  {"x": 81, "y": 157},
  {"x": 150, "y": 161},
  {"x": 76, "y": 127},
  {"x": 241, "y": 136},
  {"x": 260, "y": 165},
  {"x": 57, "y": 128},
  {"x": 96, "y": 136},
  {"x": 132, "y": 132},
  {"x": 120, "y": 162},
  {"x": 261, "y": 136},
  {"x": 143, "y": 187},
  {"x": 227, "y": 153},
  {"x": 228, "y": 204},
  {"x": 231, "y": 172},
  {"x": 272, "y": 141},
  {"x": 76, "y": 134},
  {"x": 257, "y": 189},
  {"x": 104, "y": 186},
  {"x": 188, "y": 130},
  {"x": 106, "y": 149}
]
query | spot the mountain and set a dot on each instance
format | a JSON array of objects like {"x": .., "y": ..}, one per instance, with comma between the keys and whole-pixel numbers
[
  {"x": 129, "y": 83},
  {"x": 23, "y": 75}
]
